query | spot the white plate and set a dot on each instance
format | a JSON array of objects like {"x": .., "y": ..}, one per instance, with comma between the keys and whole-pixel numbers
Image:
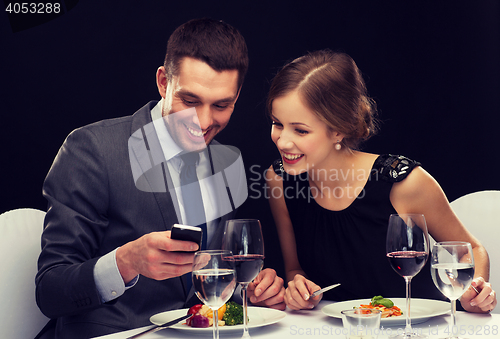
[
  {"x": 258, "y": 316},
  {"x": 420, "y": 309}
]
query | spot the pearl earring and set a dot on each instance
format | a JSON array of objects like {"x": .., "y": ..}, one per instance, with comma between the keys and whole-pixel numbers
[{"x": 338, "y": 146}]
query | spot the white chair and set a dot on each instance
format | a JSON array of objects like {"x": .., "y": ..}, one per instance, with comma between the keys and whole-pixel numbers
[
  {"x": 20, "y": 232},
  {"x": 478, "y": 211}
]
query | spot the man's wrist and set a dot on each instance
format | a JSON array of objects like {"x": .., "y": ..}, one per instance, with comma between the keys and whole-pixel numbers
[{"x": 124, "y": 266}]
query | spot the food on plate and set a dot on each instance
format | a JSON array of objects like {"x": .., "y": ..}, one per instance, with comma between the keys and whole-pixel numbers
[
  {"x": 198, "y": 320},
  {"x": 379, "y": 300},
  {"x": 220, "y": 312},
  {"x": 194, "y": 309},
  {"x": 203, "y": 316},
  {"x": 386, "y": 306},
  {"x": 233, "y": 314},
  {"x": 229, "y": 314}
]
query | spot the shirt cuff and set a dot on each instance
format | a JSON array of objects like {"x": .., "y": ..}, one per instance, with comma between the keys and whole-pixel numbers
[{"x": 108, "y": 279}]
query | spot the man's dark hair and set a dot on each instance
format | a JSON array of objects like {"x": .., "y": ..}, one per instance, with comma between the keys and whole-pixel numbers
[{"x": 214, "y": 42}]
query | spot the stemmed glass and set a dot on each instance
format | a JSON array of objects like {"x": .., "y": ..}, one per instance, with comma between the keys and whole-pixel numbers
[
  {"x": 452, "y": 270},
  {"x": 244, "y": 238},
  {"x": 214, "y": 280},
  {"x": 407, "y": 249}
]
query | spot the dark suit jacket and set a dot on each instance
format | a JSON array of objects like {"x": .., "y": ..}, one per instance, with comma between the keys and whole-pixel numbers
[{"x": 94, "y": 207}]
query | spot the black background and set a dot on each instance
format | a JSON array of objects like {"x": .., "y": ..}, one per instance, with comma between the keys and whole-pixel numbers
[{"x": 432, "y": 66}]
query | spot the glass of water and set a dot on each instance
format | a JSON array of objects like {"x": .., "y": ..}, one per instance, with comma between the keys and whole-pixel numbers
[
  {"x": 452, "y": 270},
  {"x": 214, "y": 280},
  {"x": 361, "y": 323}
]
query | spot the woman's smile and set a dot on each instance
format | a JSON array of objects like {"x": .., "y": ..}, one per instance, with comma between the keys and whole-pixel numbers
[{"x": 291, "y": 158}]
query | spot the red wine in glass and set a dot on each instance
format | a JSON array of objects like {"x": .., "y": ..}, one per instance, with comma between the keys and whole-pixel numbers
[
  {"x": 407, "y": 249},
  {"x": 407, "y": 263},
  {"x": 243, "y": 237},
  {"x": 247, "y": 267}
]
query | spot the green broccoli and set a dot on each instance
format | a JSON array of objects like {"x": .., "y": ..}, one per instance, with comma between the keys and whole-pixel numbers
[{"x": 233, "y": 314}]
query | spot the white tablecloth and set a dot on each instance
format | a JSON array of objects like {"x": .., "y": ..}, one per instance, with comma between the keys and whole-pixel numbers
[{"x": 315, "y": 324}]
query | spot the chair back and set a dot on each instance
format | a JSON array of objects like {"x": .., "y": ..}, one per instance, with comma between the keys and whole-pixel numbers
[
  {"x": 20, "y": 231},
  {"x": 479, "y": 212}
]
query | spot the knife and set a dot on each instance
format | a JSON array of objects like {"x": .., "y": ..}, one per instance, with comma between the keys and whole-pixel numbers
[
  {"x": 160, "y": 327},
  {"x": 324, "y": 290}
]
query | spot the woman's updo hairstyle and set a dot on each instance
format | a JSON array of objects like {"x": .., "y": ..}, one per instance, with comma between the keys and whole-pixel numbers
[{"x": 331, "y": 85}]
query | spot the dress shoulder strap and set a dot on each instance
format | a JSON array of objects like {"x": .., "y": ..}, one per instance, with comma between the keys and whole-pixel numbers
[{"x": 394, "y": 168}]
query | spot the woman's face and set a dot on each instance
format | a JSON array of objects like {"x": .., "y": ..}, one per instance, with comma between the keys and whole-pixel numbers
[{"x": 303, "y": 140}]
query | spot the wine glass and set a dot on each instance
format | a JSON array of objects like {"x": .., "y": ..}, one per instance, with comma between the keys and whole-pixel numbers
[
  {"x": 214, "y": 280},
  {"x": 452, "y": 270},
  {"x": 407, "y": 249},
  {"x": 244, "y": 238}
]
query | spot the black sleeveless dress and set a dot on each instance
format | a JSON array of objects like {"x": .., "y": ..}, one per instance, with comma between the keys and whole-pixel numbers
[{"x": 348, "y": 246}]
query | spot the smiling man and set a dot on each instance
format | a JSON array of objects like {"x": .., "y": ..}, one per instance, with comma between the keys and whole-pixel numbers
[
  {"x": 107, "y": 262},
  {"x": 213, "y": 94}
]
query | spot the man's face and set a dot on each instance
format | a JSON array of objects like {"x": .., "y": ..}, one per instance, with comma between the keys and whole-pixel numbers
[{"x": 212, "y": 94}]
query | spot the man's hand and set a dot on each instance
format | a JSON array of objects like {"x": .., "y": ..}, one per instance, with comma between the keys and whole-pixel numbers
[
  {"x": 483, "y": 302},
  {"x": 155, "y": 256},
  {"x": 267, "y": 290},
  {"x": 298, "y": 293}
]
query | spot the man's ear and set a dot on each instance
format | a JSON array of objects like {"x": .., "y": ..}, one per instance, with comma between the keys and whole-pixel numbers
[
  {"x": 161, "y": 81},
  {"x": 238, "y": 94}
]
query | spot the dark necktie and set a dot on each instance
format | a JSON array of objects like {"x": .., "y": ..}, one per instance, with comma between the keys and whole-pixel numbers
[
  {"x": 192, "y": 201},
  {"x": 191, "y": 195}
]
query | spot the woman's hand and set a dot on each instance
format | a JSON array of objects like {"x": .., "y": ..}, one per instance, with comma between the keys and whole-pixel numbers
[
  {"x": 298, "y": 293},
  {"x": 483, "y": 302}
]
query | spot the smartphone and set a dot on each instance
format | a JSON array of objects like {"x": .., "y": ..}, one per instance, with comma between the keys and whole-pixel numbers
[{"x": 187, "y": 233}]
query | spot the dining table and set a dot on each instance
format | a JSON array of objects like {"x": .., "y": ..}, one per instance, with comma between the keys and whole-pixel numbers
[{"x": 316, "y": 324}]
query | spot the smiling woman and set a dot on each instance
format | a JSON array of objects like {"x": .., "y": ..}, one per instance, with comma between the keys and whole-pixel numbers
[
  {"x": 321, "y": 113},
  {"x": 301, "y": 137}
]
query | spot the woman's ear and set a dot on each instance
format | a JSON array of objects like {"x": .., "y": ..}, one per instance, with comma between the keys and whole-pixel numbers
[{"x": 337, "y": 136}]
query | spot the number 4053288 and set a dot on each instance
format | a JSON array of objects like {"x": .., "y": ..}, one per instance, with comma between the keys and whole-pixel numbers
[
  {"x": 33, "y": 8},
  {"x": 485, "y": 330}
]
